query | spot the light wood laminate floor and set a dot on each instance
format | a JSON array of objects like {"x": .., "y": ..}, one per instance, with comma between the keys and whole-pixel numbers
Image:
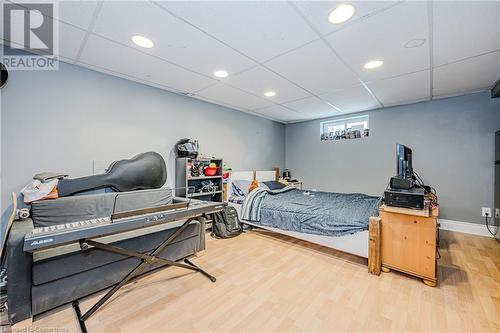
[{"x": 272, "y": 283}]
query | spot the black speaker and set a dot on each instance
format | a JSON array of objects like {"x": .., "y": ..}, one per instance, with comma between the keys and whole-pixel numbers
[{"x": 4, "y": 75}]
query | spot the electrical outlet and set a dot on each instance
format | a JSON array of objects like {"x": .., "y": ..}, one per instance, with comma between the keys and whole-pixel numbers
[
  {"x": 497, "y": 213},
  {"x": 486, "y": 210}
]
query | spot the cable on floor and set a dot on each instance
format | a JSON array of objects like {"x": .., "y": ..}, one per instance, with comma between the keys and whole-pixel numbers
[{"x": 494, "y": 234}]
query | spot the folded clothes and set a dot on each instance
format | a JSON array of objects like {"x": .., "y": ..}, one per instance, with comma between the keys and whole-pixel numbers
[
  {"x": 37, "y": 190},
  {"x": 47, "y": 176}
]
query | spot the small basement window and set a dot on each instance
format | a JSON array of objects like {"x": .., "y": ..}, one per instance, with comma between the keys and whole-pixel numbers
[{"x": 346, "y": 128}]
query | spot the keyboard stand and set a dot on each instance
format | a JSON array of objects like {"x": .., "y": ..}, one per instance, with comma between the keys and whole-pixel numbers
[{"x": 146, "y": 259}]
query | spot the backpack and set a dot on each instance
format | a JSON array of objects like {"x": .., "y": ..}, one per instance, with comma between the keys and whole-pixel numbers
[{"x": 226, "y": 223}]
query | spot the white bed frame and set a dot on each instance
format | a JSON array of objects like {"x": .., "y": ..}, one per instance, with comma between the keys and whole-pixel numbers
[{"x": 356, "y": 244}]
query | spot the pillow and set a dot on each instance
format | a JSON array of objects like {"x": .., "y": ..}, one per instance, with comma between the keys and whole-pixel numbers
[
  {"x": 274, "y": 185},
  {"x": 240, "y": 187},
  {"x": 264, "y": 186}
]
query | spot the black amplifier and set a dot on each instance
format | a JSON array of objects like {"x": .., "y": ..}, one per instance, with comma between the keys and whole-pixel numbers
[{"x": 412, "y": 198}]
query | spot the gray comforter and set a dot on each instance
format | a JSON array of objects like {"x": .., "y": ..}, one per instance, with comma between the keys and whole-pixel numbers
[{"x": 320, "y": 213}]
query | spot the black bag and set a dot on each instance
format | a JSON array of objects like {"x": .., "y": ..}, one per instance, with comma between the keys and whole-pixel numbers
[{"x": 226, "y": 223}]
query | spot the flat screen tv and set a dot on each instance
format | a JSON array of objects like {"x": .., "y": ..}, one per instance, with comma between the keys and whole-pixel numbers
[{"x": 403, "y": 159}]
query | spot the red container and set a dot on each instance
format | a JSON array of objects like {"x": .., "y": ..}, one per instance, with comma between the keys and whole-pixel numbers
[{"x": 210, "y": 171}]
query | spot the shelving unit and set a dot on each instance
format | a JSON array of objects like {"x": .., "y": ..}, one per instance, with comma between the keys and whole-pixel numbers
[
  {"x": 204, "y": 177},
  {"x": 188, "y": 186}
]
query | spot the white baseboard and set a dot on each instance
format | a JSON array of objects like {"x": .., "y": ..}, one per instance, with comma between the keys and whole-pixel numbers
[{"x": 466, "y": 227}]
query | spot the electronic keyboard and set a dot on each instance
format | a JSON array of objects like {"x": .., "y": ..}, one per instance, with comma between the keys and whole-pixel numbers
[{"x": 60, "y": 234}]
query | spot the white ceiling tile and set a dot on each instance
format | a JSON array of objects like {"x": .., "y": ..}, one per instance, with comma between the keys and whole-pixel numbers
[
  {"x": 352, "y": 99},
  {"x": 314, "y": 67},
  {"x": 402, "y": 89},
  {"x": 128, "y": 77},
  {"x": 312, "y": 107},
  {"x": 259, "y": 80},
  {"x": 468, "y": 75},
  {"x": 78, "y": 13},
  {"x": 175, "y": 41},
  {"x": 383, "y": 36},
  {"x": 260, "y": 29},
  {"x": 201, "y": 98},
  {"x": 465, "y": 29},
  {"x": 70, "y": 40},
  {"x": 232, "y": 96},
  {"x": 236, "y": 108},
  {"x": 275, "y": 32},
  {"x": 106, "y": 54},
  {"x": 282, "y": 113},
  {"x": 317, "y": 12}
]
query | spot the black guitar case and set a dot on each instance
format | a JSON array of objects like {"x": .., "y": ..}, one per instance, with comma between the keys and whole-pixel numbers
[{"x": 144, "y": 171}]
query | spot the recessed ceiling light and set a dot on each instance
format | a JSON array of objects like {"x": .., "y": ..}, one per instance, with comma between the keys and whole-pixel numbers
[
  {"x": 341, "y": 13},
  {"x": 270, "y": 93},
  {"x": 374, "y": 64},
  {"x": 414, "y": 43},
  {"x": 221, "y": 73},
  {"x": 142, "y": 41}
]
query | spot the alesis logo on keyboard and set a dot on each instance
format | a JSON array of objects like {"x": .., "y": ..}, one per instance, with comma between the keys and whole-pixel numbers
[{"x": 42, "y": 241}]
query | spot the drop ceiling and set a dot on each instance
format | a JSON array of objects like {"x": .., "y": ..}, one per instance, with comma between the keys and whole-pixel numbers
[{"x": 315, "y": 68}]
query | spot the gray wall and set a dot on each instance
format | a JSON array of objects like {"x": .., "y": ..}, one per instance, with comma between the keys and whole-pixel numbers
[
  {"x": 64, "y": 120},
  {"x": 453, "y": 150}
]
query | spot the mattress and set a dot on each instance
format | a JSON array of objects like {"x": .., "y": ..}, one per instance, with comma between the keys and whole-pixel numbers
[
  {"x": 319, "y": 213},
  {"x": 356, "y": 244}
]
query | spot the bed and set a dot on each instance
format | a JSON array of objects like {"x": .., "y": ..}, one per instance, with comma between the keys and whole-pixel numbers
[{"x": 278, "y": 217}]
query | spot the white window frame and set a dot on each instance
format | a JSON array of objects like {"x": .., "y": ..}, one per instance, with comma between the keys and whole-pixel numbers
[{"x": 343, "y": 124}]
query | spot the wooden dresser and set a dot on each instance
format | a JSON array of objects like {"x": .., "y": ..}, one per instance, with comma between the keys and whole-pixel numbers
[{"x": 408, "y": 242}]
